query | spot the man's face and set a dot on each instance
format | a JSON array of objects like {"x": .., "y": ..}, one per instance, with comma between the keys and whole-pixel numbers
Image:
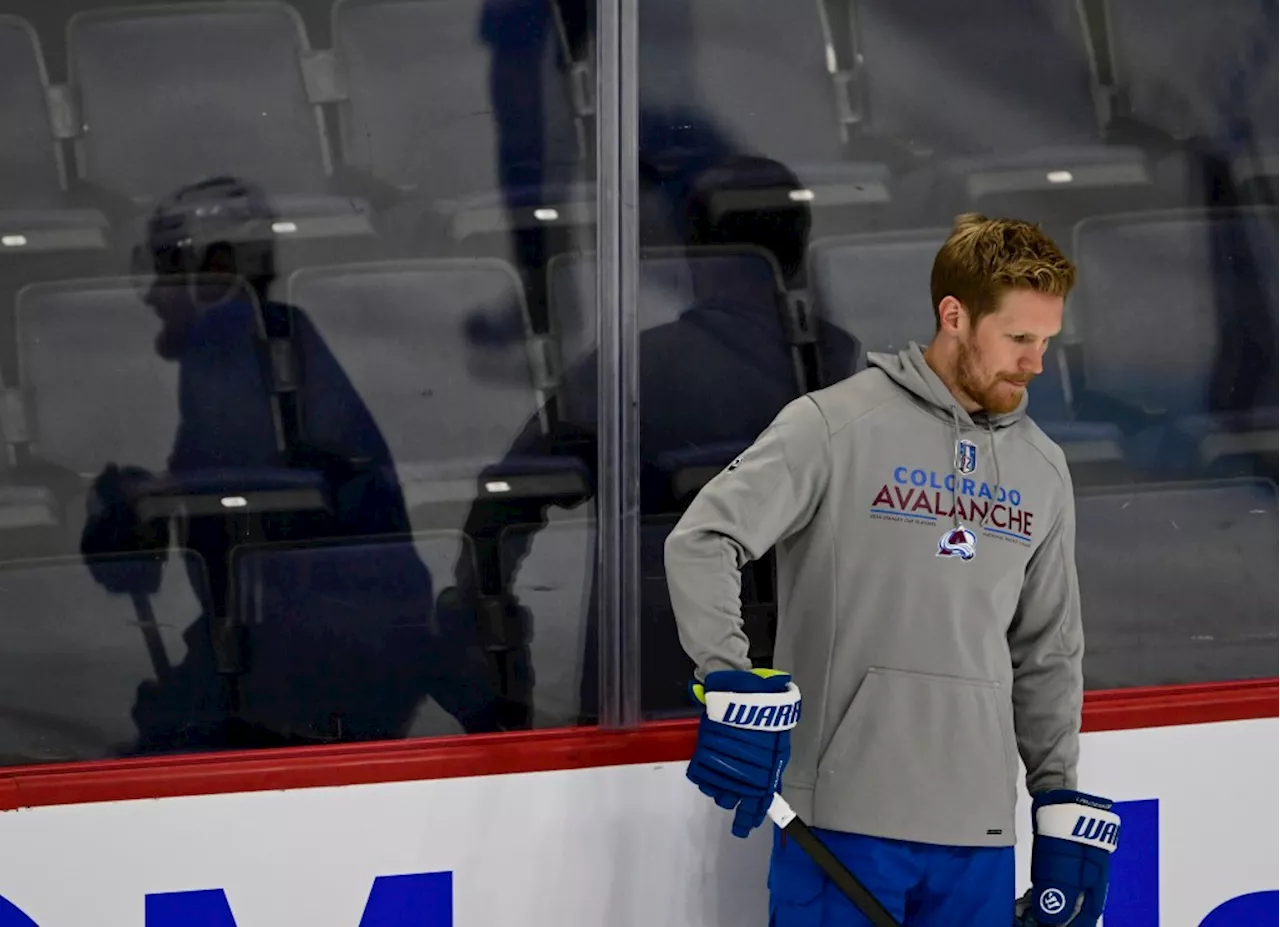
[
  {"x": 1000, "y": 355},
  {"x": 179, "y": 296}
]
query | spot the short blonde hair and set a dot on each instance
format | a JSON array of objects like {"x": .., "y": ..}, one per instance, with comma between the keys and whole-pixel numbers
[{"x": 983, "y": 258}]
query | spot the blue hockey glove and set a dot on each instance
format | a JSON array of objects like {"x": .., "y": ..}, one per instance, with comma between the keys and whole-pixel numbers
[
  {"x": 1075, "y": 835},
  {"x": 744, "y": 740}
]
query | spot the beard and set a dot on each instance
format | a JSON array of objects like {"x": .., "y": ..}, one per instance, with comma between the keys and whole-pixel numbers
[{"x": 997, "y": 393}]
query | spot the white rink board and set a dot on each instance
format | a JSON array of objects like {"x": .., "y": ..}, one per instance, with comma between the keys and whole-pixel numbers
[{"x": 583, "y": 848}]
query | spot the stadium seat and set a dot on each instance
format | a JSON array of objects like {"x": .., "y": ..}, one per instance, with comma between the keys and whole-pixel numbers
[
  {"x": 448, "y": 414},
  {"x": 479, "y": 128},
  {"x": 35, "y": 214},
  {"x": 1177, "y": 583},
  {"x": 551, "y": 574},
  {"x": 346, "y": 642},
  {"x": 171, "y": 94},
  {"x": 95, "y": 390},
  {"x": 79, "y": 663},
  {"x": 716, "y": 315},
  {"x": 876, "y": 287},
  {"x": 722, "y": 77},
  {"x": 1222, "y": 95},
  {"x": 672, "y": 281},
  {"x": 1197, "y": 291},
  {"x": 1000, "y": 101}
]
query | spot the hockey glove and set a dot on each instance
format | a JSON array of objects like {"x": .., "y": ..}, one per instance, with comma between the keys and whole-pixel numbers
[
  {"x": 744, "y": 740},
  {"x": 1075, "y": 835}
]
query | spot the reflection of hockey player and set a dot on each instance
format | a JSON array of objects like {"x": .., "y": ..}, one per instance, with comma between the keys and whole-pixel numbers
[
  {"x": 929, "y": 609},
  {"x": 209, "y": 266}
]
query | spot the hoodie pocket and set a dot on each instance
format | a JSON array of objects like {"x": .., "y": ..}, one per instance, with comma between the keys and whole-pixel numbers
[{"x": 921, "y": 756}]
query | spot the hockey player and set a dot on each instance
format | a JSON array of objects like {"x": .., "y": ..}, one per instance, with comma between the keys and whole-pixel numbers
[{"x": 929, "y": 609}]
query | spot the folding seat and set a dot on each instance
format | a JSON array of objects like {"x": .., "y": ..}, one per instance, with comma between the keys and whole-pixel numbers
[
  {"x": 721, "y": 77},
  {"x": 36, "y": 214},
  {"x": 1177, "y": 583},
  {"x": 395, "y": 333},
  {"x": 999, "y": 102},
  {"x": 352, "y": 639},
  {"x": 461, "y": 107},
  {"x": 171, "y": 94},
  {"x": 876, "y": 287},
  {"x": 1175, "y": 314},
  {"x": 105, "y": 657}
]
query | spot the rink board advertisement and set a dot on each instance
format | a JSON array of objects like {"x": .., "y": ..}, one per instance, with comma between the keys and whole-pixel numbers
[{"x": 620, "y": 845}]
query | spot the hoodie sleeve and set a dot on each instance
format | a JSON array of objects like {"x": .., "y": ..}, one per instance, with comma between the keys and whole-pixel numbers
[
  {"x": 766, "y": 495},
  {"x": 1046, "y": 641}
]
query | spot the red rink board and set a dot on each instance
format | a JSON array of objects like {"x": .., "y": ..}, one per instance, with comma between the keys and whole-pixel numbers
[{"x": 525, "y": 752}]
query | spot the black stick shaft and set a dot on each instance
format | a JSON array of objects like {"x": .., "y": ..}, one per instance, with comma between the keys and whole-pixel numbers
[{"x": 835, "y": 870}]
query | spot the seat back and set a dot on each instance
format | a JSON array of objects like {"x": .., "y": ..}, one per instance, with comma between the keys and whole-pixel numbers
[
  {"x": 1177, "y": 584},
  {"x": 747, "y": 76},
  {"x": 1017, "y": 76},
  {"x": 74, "y": 657},
  {"x": 242, "y": 108},
  {"x": 744, "y": 280},
  {"x": 345, "y": 640},
  {"x": 397, "y": 332},
  {"x": 96, "y": 390},
  {"x": 453, "y": 97},
  {"x": 1191, "y": 288},
  {"x": 1226, "y": 79}
]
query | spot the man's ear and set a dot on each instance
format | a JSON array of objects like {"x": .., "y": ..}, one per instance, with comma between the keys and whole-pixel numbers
[{"x": 952, "y": 316}]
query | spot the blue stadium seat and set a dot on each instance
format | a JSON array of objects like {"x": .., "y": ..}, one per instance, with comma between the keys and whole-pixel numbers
[
  {"x": 721, "y": 77},
  {"x": 1175, "y": 313},
  {"x": 1178, "y": 583},
  {"x": 79, "y": 663},
  {"x": 243, "y": 108},
  {"x": 480, "y": 128},
  {"x": 1001, "y": 99},
  {"x": 35, "y": 214},
  {"x": 876, "y": 287},
  {"x": 397, "y": 331},
  {"x": 346, "y": 642}
]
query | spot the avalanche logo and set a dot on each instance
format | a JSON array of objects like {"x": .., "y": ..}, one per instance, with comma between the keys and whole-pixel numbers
[{"x": 958, "y": 542}]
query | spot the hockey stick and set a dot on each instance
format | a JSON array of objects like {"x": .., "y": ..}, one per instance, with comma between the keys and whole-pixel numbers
[{"x": 790, "y": 824}]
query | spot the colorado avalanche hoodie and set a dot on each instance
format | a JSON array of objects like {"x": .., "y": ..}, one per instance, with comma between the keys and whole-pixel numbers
[{"x": 928, "y": 604}]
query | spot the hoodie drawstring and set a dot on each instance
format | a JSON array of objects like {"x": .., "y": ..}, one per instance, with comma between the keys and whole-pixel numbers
[{"x": 955, "y": 471}]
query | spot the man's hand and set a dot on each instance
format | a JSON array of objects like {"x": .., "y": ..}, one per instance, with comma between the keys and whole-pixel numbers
[
  {"x": 1075, "y": 835},
  {"x": 744, "y": 740}
]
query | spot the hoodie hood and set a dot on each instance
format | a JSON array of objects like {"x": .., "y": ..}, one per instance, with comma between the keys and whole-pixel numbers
[{"x": 912, "y": 372}]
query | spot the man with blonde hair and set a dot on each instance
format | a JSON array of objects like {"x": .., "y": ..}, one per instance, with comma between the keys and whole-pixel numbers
[{"x": 928, "y": 602}]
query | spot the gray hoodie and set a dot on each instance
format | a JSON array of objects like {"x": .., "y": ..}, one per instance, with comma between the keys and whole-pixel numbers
[{"x": 928, "y": 603}]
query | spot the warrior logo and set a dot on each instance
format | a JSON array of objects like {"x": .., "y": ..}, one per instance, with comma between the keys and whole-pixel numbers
[{"x": 958, "y": 542}]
